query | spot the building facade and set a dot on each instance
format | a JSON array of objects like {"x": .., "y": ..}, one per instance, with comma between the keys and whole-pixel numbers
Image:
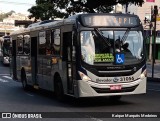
[
  {"x": 145, "y": 12},
  {"x": 8, "y": 24}
]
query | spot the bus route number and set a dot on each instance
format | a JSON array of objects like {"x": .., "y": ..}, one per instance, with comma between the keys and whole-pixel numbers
[{"x": 126, "y": 79}]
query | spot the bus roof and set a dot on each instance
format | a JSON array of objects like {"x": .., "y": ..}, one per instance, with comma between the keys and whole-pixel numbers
[{"x": 79, "y": 17}]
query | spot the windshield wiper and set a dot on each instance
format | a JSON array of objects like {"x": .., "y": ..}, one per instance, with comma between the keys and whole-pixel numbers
[
  {"x": 99, "y": 33},
  {"x": 125, "y": 35}
]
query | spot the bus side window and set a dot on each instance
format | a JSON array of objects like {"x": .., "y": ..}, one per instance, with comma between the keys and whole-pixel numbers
[
  {"x": 56, "y": 42},
  {"x": 42, "y": 43},
  {"x": 26, "y": 48},
  {"x": 20, "y": 44}
]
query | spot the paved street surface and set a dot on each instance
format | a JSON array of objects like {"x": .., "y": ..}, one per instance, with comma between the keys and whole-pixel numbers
[
  {"x": 14, "y": 99},
  {"x": 156, "y": 70}
]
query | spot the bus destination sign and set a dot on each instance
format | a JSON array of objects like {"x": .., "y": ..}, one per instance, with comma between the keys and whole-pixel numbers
[{"x": 110, "y": 21}]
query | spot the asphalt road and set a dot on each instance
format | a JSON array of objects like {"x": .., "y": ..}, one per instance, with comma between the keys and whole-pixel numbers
[
  {"x": 156, "y": 70},
  {"x": 14, "y": 99}
]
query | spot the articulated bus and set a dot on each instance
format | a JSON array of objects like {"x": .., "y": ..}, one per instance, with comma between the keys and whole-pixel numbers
[{"x": 85, "y": 55}]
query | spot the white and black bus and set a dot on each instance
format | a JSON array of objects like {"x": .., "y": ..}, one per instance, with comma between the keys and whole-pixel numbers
[{"x": 85, "y": 55}]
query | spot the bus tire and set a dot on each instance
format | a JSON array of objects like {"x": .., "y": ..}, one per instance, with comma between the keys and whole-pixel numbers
[
  {"x": 24, "y": 80},
  {"x": 115, "y": 98},
  {"x": 58, "y": 89}
]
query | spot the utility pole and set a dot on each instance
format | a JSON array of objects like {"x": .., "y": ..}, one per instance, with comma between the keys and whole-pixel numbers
[
  {"x": 150, "y": 46},
  {"x": 150, "y": 42},
  {"x": 126, "y": 10},
  {"x": 154, "y": 41}
]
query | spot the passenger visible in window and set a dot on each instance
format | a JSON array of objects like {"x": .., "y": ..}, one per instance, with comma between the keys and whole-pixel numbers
[
  {"x": 126, "y": 51},
  {"x": 117, "y": 45},
  {"x": 125, "y": 47}
]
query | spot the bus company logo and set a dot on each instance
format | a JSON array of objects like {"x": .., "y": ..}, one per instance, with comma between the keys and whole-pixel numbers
[
  {"x": 107, "y": 80},
  {"x": 103, "y": 80},
  {"x": 115, "y": 79},
  {"x": 117, "y": 67}
]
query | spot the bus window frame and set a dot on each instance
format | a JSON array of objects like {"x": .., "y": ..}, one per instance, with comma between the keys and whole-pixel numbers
[
  {"x": 41, "y": 44},
  {"x": 17, "y": 45}
]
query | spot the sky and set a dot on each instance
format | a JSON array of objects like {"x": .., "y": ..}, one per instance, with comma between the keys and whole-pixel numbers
[{"x": 19, "y": 6}]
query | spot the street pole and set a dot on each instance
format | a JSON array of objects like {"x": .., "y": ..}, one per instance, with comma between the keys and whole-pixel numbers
[
  {"x": 150, "y": 47},
  {"x": 154, "y": 40},
  {"x": 126, "y": 10},
  {"x": 150, "y": 42}
]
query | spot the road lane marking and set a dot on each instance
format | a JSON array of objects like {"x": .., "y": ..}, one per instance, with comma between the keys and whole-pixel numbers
[
  {"x": 2, "y": 80},
  {"x": 93, "y": 118},
  {"x": 8, "y": 77},
  {"x": 29, "y": 94},
  {"x": 154, "y": 90}
]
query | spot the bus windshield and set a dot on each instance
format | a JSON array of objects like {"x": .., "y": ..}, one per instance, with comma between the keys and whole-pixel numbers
[{"x": 100, "y": 46}]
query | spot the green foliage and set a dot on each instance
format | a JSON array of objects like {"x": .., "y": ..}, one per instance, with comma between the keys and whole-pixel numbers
[
  {"x": 50, "y": 9},
  {"x": 46, "y": 9},
  {"x": 98, "y": 3}
]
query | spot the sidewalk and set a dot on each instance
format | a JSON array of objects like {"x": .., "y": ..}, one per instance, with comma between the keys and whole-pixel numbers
[{"x": 156, "y": 76}]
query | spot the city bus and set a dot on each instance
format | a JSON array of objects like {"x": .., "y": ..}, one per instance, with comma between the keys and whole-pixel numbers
[
  {"x": 85, "y": 55},
  {"x": 5, "y": 50}
]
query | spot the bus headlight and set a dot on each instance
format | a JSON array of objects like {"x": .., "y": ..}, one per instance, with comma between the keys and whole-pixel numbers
[
  {"x": 143, "y": 75},
  {"x": 83, "y": 76}
]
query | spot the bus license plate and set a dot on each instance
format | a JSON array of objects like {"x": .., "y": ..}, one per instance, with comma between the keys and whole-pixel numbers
[{"x": 115, "y": 87}]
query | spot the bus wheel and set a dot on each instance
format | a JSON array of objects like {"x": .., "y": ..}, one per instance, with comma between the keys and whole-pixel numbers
[
  {"x": 115, "y": 98},
  {"x": 24, "y": 81},
  {"x": 58, "y": 89}
]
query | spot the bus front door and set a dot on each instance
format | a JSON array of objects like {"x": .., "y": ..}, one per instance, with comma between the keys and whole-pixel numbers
[{"x": 67, "y": 37}]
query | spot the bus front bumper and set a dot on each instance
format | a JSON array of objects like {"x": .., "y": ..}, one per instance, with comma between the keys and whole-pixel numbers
[{"x": 92, "y": 89}]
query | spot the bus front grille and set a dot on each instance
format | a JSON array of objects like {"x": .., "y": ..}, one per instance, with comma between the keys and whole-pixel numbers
[{"x": 107, "y": 90}]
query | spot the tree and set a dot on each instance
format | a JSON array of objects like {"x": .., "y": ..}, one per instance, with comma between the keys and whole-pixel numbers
[
  {"x": 50, "y": 9},
  {"x": 97, "y": 3},
  {"x": 46, "y": 9}
]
